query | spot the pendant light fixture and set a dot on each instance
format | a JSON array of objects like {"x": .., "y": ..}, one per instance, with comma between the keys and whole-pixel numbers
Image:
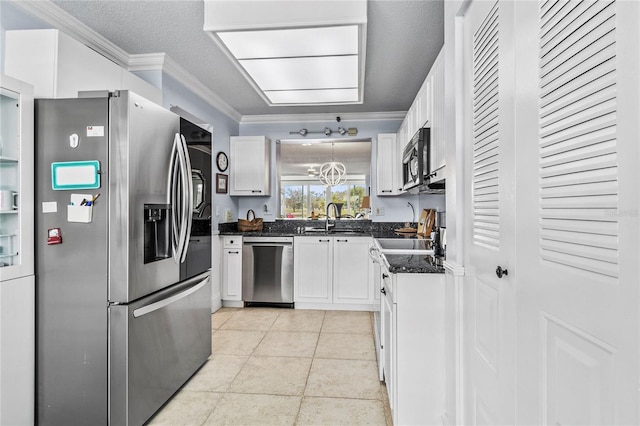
[{"x": 333, "y": 172}]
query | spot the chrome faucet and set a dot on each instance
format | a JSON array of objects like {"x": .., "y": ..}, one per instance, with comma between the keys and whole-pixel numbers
[{"x": 335, "y": 215}]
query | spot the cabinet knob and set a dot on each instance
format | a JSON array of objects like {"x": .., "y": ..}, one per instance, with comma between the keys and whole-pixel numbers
[
  {"x": 256, "y": 191},
  {"x": 383, "y": 291},
  {"x": 500, "y": 272},
  {"x": 234, "y": 252},
  {"x": 384, "y": 276}
]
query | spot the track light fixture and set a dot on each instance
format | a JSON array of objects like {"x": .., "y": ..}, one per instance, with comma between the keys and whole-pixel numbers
[{"x": 351, "y": 131}]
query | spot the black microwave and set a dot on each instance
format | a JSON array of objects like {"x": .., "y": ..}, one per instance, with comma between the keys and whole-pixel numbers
[{"x": 415, "y": 160}]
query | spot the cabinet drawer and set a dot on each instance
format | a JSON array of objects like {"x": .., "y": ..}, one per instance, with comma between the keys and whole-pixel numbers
[{"x": 232, "y": 241}]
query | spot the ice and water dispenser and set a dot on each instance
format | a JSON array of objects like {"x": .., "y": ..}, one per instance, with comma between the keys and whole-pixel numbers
[{"x": 157, "y": 232}]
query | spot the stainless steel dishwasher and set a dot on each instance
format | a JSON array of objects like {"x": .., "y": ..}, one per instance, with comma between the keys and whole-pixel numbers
[{"x": 267, "y": 271}]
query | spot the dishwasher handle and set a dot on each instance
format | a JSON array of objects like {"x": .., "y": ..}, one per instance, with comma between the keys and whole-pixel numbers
[{"x": 268, "y": 244}]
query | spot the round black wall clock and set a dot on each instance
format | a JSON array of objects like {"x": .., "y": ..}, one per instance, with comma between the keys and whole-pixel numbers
[{"x": 222, "y": 161}]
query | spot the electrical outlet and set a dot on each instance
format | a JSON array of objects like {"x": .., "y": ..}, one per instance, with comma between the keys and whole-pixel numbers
[
  {"x": 217, "y": 211},
  {"x": 379, "y": 211}
]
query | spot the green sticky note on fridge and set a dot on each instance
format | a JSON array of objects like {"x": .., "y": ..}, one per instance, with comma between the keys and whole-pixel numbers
[{"x": 75, "y": 175}]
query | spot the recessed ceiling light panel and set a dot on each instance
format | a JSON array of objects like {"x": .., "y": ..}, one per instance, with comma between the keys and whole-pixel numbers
[
  {"x": 325, "y": 72},
  {"x": 294, "y": 52},
  {"x": 292, "y": 42},
  {"x": 335, "y": 96}
]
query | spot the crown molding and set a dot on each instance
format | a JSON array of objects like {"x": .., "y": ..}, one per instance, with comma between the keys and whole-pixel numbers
[
  {"x": 56, "y": 17},
  {"x": 309, "y": 118},
  {"x": 164, "y": 63},
  {"x": 147, "y": 62},
  {"x": 53, "y": 15}
]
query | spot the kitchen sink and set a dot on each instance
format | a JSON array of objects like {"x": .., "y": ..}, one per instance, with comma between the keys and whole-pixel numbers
[{"x": 311, "y": 230}]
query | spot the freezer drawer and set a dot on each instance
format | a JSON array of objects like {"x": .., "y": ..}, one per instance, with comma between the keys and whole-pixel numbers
[{"x": 155, "y": 345}]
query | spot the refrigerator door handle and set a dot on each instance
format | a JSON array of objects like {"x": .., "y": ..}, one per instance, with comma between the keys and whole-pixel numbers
[
  {"x": 188, "y": 199},
  {"x": 169, "y": 300},
  {"x": 182, "y": 200},
  {"x": 172, "y": 191}
]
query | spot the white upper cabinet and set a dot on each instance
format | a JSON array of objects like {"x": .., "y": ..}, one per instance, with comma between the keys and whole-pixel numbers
[
  {"x": 16, "y": 177},
  {"x": 438, "y": 153},
  {"x": 427, "y": 110},
  {"x": 419, "y": 115},
  {"x": 59, "y": 67},
  {"x": 250, "y": 161},
  {"x": 389, "y": 173},
  {"x": 402, "y": 137}
]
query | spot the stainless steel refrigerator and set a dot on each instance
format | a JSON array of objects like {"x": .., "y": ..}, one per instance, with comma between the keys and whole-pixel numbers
[{"x": 118, "y": 331}]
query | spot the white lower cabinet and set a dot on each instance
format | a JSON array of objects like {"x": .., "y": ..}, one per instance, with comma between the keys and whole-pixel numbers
[
  {"x": 17, "y": 356},
  {"x": 413, "y": 342},
  {"x": 352, "y": 270},
  {"x": 332, "y": 270},
  {"x": 232, "y": 270},
  {"x": 387, "y": 313}
]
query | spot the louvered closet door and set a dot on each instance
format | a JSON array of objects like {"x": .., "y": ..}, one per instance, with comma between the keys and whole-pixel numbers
[
  {"x": 489, "y": 139},
  {"x": 577, "y": 185}
]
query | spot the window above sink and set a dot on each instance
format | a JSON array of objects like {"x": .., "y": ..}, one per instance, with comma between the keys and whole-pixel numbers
[{"x": 304, "y": 196}]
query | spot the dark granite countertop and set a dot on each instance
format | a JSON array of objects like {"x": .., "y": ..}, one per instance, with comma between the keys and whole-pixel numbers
[
  {"x": 414, "y": 264},
  {"x": 273, "y": 233},
  {"x": 399, "y": 263},
  {"x": 353, "y": 228}
]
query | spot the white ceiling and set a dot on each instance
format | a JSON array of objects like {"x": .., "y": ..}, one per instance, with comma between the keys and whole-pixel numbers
[{"x": 403, "y": 39}]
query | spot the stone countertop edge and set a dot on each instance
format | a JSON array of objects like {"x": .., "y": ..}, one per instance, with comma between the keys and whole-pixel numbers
[{"x": 414, "y": 264}]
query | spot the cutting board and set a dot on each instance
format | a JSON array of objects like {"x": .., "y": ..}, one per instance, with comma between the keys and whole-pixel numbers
[{"x": 426, "y": 221}]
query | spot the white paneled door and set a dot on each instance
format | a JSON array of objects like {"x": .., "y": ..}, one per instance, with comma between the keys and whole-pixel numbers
[
  {"x": 577, "y": 185},
  {"x": 489, "y": 297},
  {"x": 552, "y": 120}
]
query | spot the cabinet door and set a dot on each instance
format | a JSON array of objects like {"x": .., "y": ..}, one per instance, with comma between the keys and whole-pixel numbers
[
  {"x": 313, "y": 263},
  {"x": 388, "y": 336},
  {"x": 351, "y": 283},
  {"x": 388, "y": 165},
  {"x": 16, "y": 178},
  {"x": 232, "y": 274},
  {"x": 426, "y": 96},
  {"x": 17, "y": 340},
  {"x": 403, "y": 138},
  {"x": 249, "y": 165},
  {"x": 437, "y": 158}
]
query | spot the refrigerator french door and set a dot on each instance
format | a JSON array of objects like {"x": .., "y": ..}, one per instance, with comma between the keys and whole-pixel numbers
[{"x": 117, "y": 330}]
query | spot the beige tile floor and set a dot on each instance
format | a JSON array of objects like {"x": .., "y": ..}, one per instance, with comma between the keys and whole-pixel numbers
[{"x": 284, "y": 367}]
